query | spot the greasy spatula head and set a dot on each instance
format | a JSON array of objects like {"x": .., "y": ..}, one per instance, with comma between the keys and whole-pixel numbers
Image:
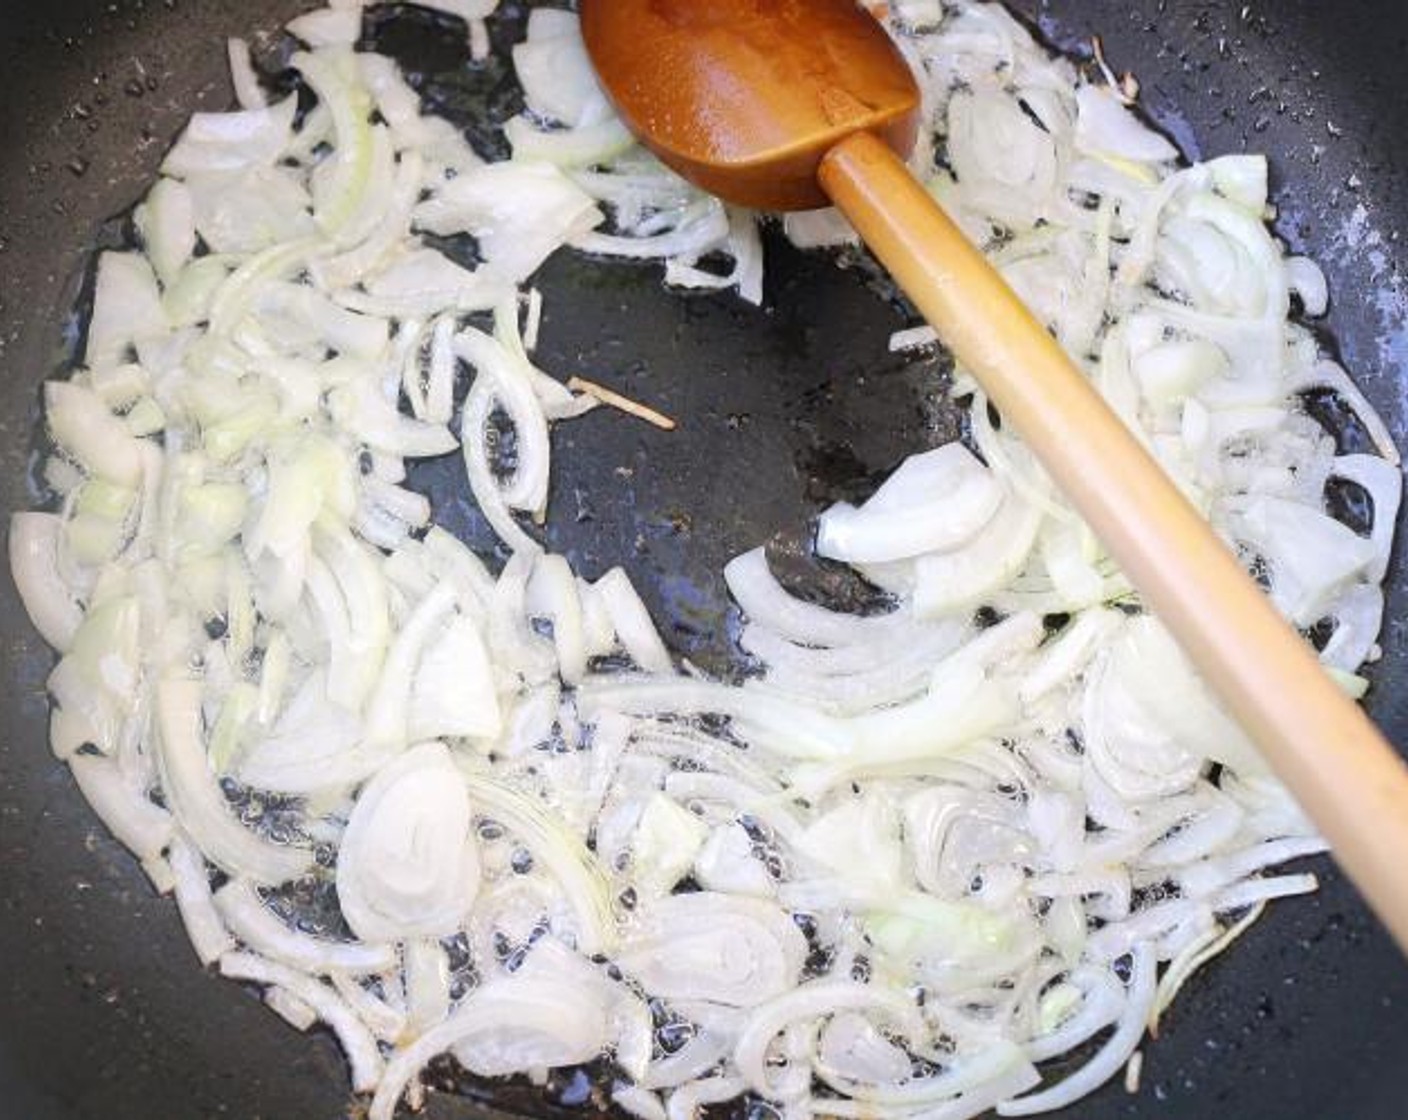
[{"x": 745, "y": 97}]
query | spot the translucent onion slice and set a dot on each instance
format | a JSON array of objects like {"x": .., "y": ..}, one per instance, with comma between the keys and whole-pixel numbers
[
  {"x": 198, "y": 802},
  {"x": 257, "y": 926},
  {"x": 35, "y": 540},
  {"x": 356, "y": 1040},
  {"x": 408, "y": 865},
  {"x": 735, "y": 951}
]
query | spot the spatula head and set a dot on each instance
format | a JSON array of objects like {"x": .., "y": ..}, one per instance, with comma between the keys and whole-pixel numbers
[{"x": 745, "y": 97}]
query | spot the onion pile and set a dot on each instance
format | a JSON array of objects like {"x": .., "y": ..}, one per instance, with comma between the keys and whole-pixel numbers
[{"x": 921, "y": 853}]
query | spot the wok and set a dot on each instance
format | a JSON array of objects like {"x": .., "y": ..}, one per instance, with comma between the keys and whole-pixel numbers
[{"x": 103, "y": 1010}]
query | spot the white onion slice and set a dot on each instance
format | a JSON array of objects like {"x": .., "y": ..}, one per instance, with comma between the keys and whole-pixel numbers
[
  {"x": 209, "y": 937},
  {"x": 519, "y": 212},
  {"x": 83, "y": 426},
  {"x": 511, "y": 1024},
  {"x": 142, "y": 827},
  {"x": 388, "y": 714},
  {"x": 632, "y": 622},
  {"x": 253, "y": 923},
  {"x": 734, "y": 951},
  {"x": 243, "y": 77},
  {"x": 765, "y": 602},
  {"x": 34, "y": 565},
  {"x": 290, "y": 1009},
  {"x": 408, "y": 865},
  {"x": 357, "y": 1042},
  {"x": 232, "y": 141},
  {"x": 1106, "y": 127},
  {"x": 810, "y": 1001},
  {"x": 638, "y": 1102},
  {"x": 1129, "y": 1029},
  {"x": 328, "y": 27},
  {"x": 935, "y": 502},
  {"x": 198, "y": 802}
]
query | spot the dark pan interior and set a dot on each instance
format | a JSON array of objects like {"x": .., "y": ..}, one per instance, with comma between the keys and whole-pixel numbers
[{"x": 103, "y": 1011}]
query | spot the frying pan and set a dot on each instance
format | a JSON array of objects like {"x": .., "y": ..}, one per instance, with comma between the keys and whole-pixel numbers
[{"x": 103, "y": 1010}]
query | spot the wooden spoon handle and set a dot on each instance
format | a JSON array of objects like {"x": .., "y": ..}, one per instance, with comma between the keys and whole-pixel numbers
[{"x": 1322, "y": 745}]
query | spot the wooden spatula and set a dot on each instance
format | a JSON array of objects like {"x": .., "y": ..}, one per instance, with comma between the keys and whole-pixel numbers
[{"x": 791, "y": 104}]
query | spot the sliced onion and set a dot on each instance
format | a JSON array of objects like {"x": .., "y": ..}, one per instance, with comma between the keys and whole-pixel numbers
[
  {"x": 1384, "y": 484},
  {"x": 1106, "y": 127},
  {"x": 248, "y": 92},
  {"x": 454, "y": 693},
  {"x": 557, "y": 77},
  {"x": 328, "y": 27},
  {"x": 1129, "y": 1029},
  {"x": 34, "y": 565},
  {"x": 552, "y": 594},
  {"x": 565, "y": 857},
  {"x": 423, "y": 283},
  {"x": 290, "y": 1009},
  {"x": 852, "y": 1048},
  {"x": 734, "y": 951},
  {"x": 519, "y": 212},
  {"x": 632, "y": 622},
  {"x": 357, "y": 1042},
  {"x": 1002, "y": 1063},
  {"x": 777, "y": 723},
  {"x": 511, "y": 1024},
  {"x": 765, "y": 602},
  {"x": 810, "y": 1001},
  {"x": 198, "y": 802},
  {"x": 167, "y": 224},
  {"x": 408, "y": 865},
  {"x": 248, "y": 211},
  {"x": 934, "y": 503},
  {"x": 258, "y": 927},
  {"x": 83, "y": 426},
  {"x": 388, "y": 714},
  {"x": 947, "y": 582},
  {"x": 727, "y": 863},
  {"x": 142, "y": 827},
  {"x": 638, "y": 1102},
  {"x": 427, "y": 983},
  {"x": 209, "y": 937},
  {"x": 310, "y": 746},
  {"x": 687, "y": 1101},
  {"x": 232, "y": 141},
  {"x": 385, "y": 1021}
]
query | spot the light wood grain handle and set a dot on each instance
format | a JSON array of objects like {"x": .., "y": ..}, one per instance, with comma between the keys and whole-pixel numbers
[{"x": 1321, "y": 744}]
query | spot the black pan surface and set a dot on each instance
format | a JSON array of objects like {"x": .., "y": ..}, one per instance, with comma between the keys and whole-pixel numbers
[{"x": 103, "y": 1009}]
